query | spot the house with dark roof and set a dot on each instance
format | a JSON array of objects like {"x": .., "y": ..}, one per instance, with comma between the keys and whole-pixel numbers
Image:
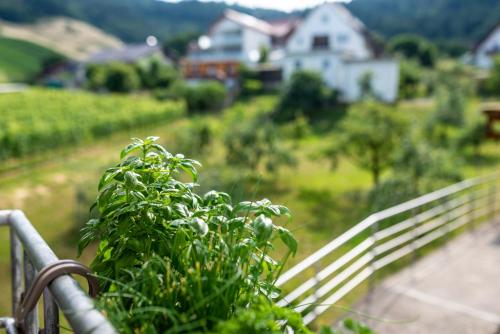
[
  {"x": 487, "y": 48},
  {"x": 234, "y": 39},
  {"x": 329, "y": 40},
  {"x": 131, "y": 54},
  {"x": 333, "y": 42}
]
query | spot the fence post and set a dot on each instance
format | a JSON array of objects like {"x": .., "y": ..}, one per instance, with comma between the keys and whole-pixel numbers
[
  {"x": 317, "y": 284},
  {"x": 31, "y": 320},
  {"x": 492, "y": 201},
  {"x": 50, "y": 313},
  {"x": 373, "y": 277},
  {"x": 472, "y": 208},
  {"x": 414, "y": 258},
  {"x": 15, "y": 268}
]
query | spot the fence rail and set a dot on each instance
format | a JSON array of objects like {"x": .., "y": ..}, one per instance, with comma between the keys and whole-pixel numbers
[
  {"x": 329, "y": 274},
  {"x": 30, "y": 254}
]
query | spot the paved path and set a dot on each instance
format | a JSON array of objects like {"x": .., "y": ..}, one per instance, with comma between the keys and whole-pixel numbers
[{"x": 455, "y": 290}]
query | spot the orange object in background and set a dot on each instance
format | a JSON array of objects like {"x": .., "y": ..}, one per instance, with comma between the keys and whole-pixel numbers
[{"x": 217, "y": 70}]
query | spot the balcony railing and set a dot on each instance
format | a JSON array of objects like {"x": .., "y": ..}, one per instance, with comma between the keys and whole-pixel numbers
[
  {"x": 35, "y": 264},
  {"x": 325, "y": 277}
]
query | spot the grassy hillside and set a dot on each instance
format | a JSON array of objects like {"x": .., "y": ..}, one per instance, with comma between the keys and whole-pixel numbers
[
  {"x": 45, "y": 119},
  {"x": 21, "y": 60},
  {"x": 72, "y": 38}
]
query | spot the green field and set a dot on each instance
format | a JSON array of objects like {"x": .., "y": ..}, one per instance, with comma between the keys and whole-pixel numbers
[
  {"x": 55, "y": 193},
  {"x": 21, "y": 61},
  {"x": 36, "y": 121}
]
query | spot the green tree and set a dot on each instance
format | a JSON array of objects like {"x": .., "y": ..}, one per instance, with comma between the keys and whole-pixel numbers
[
  {"x": 493, "y": 82},
  {"x": 204, "y": 97},
  {"x": 113, "y": 77},
  {"x": 415, "y": 47},
  {"x": 253, "y": 145},
  {"x": 155, "y": 74},
  {"x": 472, "y": 135},
  {"x": 305, "y": 94},
  {"x": 370, "y": 134},
  {"x": 176, "y": 46}
]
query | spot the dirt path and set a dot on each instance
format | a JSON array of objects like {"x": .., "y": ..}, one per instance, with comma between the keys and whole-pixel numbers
[{"x": 455, "y": 290}]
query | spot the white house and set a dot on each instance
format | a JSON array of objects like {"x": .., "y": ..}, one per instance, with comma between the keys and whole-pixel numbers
[
  {"x": 336, "y": 44},
  {"x": 329, "y": 40},
  {"x": 487, "y": 48},
  {"x": 234, "y": 39}
]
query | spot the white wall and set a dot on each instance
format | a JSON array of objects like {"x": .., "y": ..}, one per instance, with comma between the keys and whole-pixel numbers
[
  {"x": 328, "y": 64},
  {"x": 253, "y": 41},
  {"x": 385, "y": 79},
  {"x": 249, "y": 41},
  {"x": 325, "y": 20},
  {"x": 482, "y": 59}
]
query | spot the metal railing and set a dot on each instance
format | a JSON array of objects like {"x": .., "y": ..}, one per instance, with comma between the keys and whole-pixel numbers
[
  {"x": 31, "y": 254},
  {"x": 329, "y": 274}
]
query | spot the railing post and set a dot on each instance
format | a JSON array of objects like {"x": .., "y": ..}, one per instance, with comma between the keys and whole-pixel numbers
[
  {"x": 414, "y": 249},
  {"x": 472, "y": 208},
  {"x": 492, "y": 200},
  {"x": 31, "y": 321},
  {"x": 15, "y": 268},
  {"x": 373, "y": 277},
  {"x": 50, "y": 313},
  {"x": 317, "y": 284}
]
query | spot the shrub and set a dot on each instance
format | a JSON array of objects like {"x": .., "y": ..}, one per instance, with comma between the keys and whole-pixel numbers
[
  {"x": 415, "y": 47},
  {"x": 204, "y": 97},
  {"x": 492, "y": 84},
  {"x": 114, "y": 77},
  {"x": 156, "y": 75},
  {"x": 410, "y": 80},
  {"x": 169, "y": 259},
  {"x": 305, "y": 94}
]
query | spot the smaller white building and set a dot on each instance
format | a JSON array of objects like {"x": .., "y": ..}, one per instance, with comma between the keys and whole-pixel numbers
[
  {"x": 334, "y": 43},
  {"x": 487, "y": 49}
]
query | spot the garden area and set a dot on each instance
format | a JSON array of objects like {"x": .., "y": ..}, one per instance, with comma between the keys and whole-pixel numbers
[{"x": 223, "y": 199}]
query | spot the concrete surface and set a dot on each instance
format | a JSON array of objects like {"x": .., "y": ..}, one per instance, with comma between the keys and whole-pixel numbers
[{"x": 455, "y": 290}]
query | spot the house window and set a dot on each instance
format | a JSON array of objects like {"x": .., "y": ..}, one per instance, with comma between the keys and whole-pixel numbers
[
  {"x": 298, "y": 64},
  {"x": 321, "y": 42},
  {"x": 342, "y": 38}
]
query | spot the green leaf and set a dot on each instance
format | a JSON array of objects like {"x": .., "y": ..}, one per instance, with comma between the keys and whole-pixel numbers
[
  {"x": 131, "y": 148},
  {"x": 200, "y": 226},
  {"x": 288, "y": 239},
  {"x": 262, "y": 228}
]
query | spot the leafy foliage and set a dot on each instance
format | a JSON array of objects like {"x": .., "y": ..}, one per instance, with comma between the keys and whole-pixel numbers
[
  {"x": 114, "y": 77},
  {"x": 47, "y": 119},
  {"x": 22, "y": 61},
  {"x": 492, "y": 84},
  {"x": 371, "y": 133},
  {"x": 204, "y": 97},
  {"x": 253, "y": 145},
  {"x": 172, "y": 260},
  {"x": 415, "y": 47},
  {"x": 305, "y": 94}
]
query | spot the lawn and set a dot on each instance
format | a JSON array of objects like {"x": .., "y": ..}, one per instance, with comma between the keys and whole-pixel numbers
[
  {"x": 21, "y": 61},
  {"x": 56, "y": 193}
]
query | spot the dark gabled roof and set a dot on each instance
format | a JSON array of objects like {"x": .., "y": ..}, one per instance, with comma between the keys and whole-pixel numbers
[
  {"x": 129, "y": 54},
  {"x": 485, "y": 37}
]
